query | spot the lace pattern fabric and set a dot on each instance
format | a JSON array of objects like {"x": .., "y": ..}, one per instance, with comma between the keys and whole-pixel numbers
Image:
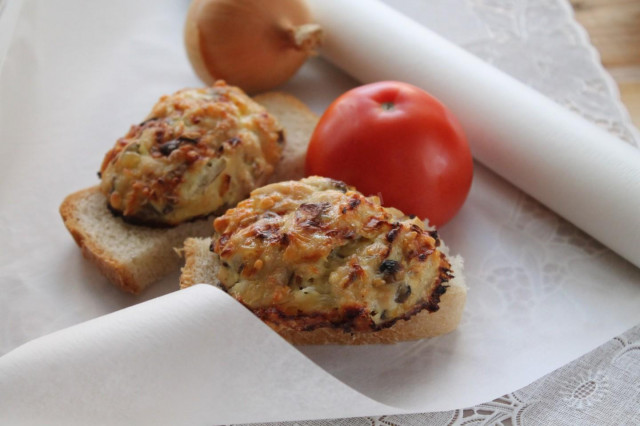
[{"x": 539, "y": 43}]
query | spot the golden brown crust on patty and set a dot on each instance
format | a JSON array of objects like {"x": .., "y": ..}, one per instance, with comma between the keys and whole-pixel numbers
[
  {"x": 202, "y": 266},
  {"x": 316, "y": 254},
  {"x": 198, "y": 150},
  {"x": 422, "y": 325}
]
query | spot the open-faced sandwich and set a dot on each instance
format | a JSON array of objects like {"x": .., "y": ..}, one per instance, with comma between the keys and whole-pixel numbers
[
  {"x": 321, "y": 263},
  {"x": 197, "y": 153}
]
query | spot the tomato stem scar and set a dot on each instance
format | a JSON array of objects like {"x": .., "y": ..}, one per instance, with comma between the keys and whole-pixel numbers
[{"x": 387, "y": 106}]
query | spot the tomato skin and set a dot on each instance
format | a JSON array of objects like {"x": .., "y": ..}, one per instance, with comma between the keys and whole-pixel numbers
[{"x": 395, "y": 140}]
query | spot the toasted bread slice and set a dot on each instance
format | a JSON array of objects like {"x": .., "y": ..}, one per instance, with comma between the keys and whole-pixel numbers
[
  {"x": 299, "y": 123},
  {"x": 132, "y": 256},
  {"x": 202, "y": 267}
]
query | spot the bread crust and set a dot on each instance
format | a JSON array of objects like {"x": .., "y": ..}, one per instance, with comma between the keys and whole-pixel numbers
[
  {"x": 85, "y": 212},
  {"x": 115, "y": 271},
  {"x": 298, "y": 122},
  {"x": 201, "y": 268},
  {"x": 268, "y": 99}
]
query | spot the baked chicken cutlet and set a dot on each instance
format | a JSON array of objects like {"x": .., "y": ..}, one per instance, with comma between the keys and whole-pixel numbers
[
  {"x": 198, "y": 152},
  {"x": 321, "y": 263}
]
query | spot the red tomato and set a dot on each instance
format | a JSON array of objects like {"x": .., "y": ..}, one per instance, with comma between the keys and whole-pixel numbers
[{"x": 395, "y": 140}]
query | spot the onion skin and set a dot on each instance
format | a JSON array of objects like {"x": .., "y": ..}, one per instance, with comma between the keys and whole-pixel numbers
[{"x": 253, "y": 44}]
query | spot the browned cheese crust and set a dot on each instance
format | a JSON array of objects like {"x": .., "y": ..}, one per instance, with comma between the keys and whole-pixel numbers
[
  {"x": 202, "y": 267},
  {"x": 422, "y": 325},
  {"x": 197, "y": 151},
  {"x": 314, "y": 255}
]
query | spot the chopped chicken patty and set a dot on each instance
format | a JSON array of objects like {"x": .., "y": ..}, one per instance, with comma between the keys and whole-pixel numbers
[
  {"x": 198, "y": 151},
  {"x": 317, "y": 253}
]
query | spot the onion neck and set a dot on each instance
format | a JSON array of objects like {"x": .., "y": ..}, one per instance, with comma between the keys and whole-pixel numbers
[{"x": 306, "y": 38}]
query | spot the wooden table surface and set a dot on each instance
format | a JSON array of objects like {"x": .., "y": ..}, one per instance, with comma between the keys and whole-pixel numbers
[{"x": 614, "y": 28}]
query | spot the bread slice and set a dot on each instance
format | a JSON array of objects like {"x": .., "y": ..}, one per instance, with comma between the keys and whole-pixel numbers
[
  {"x": 202, "y": 268},
  {"x": 131, "y": 256},
  {"x": 299, "y": 123}
]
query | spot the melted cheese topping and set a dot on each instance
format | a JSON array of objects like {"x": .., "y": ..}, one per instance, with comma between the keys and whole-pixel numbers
[
  {"x": 317, "y": 253},
  {"x": 198, "y": 151}
]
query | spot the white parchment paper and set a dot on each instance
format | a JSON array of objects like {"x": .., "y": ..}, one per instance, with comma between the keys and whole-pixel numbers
[{"x": 76, "y": 75}]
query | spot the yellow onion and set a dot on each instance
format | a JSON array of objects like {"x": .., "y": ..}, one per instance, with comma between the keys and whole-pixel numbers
[{"x": 253, "y": 44}]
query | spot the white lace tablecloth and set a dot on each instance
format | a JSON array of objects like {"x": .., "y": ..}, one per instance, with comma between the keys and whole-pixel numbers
[{"x": 540, "y": 43}]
